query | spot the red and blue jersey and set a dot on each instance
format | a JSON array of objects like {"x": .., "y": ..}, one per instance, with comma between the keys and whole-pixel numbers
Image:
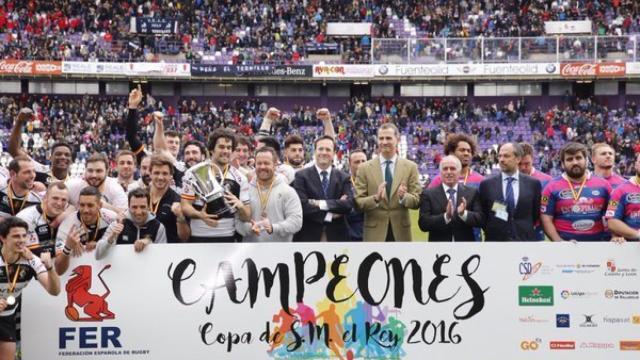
[
  {"x": 542, "y": 177},
  {"x": 473, "y": 180},
  {"x": 624, "y": 204},
  {"x": 577, "y": 214},
  {"x": 615, "y": 180}
]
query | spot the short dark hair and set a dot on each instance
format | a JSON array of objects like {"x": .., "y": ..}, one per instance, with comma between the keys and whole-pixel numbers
[
  {"x": 325, "y": 137},
  {"x": 61, "y": 144},
  {"x": 271, "y": 142},
  {"x": 138, "y": 193},
  {"x": 293, "y": 139},
  {"x": 527, "y": 149},
  {"x": 452, "y": 143},
  {"x": 221, "y": 134},
  {"x": 161, "y": 160},
  {"x": 243, "y": 140},
  {"x": 126, "y": 153},
  {"x": 196, "y": 143},
  {"x": 99, "y": 157},
  {"x": 10, "y": 223},
  {"x": 91, "y": 191},
  {"x": 14, "y": 164},
  {"x": 270, "y": 150},
  {"x": 573, "y": 148}
]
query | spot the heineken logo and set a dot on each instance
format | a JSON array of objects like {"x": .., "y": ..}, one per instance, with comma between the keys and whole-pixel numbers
[{"x": 535, "y": 295}]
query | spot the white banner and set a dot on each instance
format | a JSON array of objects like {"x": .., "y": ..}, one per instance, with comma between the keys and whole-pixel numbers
[
  {"x": 127, "y": 69},
  {"x": 454, "y": 301},
  {"x": 567, "y": 27},
  {"x": 348, "y": 28},
  {"x": 472, "y": 70},
  {"x": 633, "y": 68},
  {"x": 343, "y": 71}
]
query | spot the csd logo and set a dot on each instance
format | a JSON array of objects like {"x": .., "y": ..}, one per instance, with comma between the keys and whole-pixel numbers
[{"x": 530, "y": 345}]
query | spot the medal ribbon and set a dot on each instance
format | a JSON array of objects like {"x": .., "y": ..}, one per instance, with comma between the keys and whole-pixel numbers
[
  {"x": 576, "y": 196},
  {"x": 264, "y": 200}
]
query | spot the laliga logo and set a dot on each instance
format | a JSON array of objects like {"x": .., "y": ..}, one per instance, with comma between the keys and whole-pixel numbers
[{"x": 79, "y": 295}]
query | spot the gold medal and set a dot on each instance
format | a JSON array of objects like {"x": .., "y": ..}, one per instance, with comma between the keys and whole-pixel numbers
[{"x": 11, "y": 300}]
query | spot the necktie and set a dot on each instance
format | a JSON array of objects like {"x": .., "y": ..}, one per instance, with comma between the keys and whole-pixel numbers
[
  {"x": 388, "y": 178},
  {"x": 509, "y": 198},
  {"x": 452, "y": 196},
  {"x": 325, "y": 183}
]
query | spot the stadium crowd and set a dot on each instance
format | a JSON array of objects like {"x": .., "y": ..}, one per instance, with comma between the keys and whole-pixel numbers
[
  {"x": 98, "y": 123},
  {"x": 263, "y": 32}
]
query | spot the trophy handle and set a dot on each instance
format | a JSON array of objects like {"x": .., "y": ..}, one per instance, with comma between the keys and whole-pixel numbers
[{"x": 219, "y": 174}]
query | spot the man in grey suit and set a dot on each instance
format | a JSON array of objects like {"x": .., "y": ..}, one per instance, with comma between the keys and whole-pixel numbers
[
  {"x": 510, "y": 200},
  {"x": 450, "y": 211}
]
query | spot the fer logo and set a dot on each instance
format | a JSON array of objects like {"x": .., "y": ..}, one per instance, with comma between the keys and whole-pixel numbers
[{"x": 79, "y": 296}]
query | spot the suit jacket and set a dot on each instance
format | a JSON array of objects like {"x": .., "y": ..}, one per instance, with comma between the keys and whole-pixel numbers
[
  {"x": 520, "y": 226},
  {"x": 433, "y": 206},
  {"x": 378, "y": 216},
  {"x": 308, "y": 185}
]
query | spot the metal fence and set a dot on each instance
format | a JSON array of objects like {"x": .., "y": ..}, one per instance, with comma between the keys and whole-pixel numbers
[{"x": 504, "y": 50}]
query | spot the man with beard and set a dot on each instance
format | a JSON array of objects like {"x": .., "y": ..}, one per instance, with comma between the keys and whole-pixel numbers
[
  {"x": 574, "y": 204},
  {"x": 126, "y": 166},
  {"x": 17, "y": 194},
  {"x": 510, "y": 200},
  {"x": 294, "y": 151},
  {"x": 138, "y": 227},
  {"x": 386, "y": 188},
  {"x": 61, "y": 153},
  {"x": 44, "y": 219},
  {"x": 276, "y": 212},
  {"x": 164, "y": 202},
  {"x": 463, "y": 147},
  {"x": 145, "y": 176},
  {"x": 623, "y": 212},
  {"x": 81, "y": 230},
  {"x": 217, "y": 228},
  {"x": 281, "y": 168},
  {"x": 604, "y": 159},
  {"x": 194, "y": 153},
  {"x": 95, "y": 174}
]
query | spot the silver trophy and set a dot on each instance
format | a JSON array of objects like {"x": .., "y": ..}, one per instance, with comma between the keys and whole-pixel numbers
[{"x": 208, "y": 188}]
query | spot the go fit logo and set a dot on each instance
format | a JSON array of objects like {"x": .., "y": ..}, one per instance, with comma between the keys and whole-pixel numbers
[{"x": 530, "y": 345}]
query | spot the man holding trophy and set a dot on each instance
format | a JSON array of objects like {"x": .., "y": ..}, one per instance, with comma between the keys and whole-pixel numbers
[{"x": 215, "y": 193}]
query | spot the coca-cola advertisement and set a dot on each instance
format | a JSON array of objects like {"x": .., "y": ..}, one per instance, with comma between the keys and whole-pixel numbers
[
  {"x": 30, "y": 67},
  {"x": 578, "y": 70},
  {"x": 606, "y": 69}
]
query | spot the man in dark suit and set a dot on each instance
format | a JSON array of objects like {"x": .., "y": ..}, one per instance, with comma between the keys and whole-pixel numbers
[
  {"x": 451, "y": 210},
  {"x": 510, "y": 199},
  {"x": 326, "y": 196}
]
